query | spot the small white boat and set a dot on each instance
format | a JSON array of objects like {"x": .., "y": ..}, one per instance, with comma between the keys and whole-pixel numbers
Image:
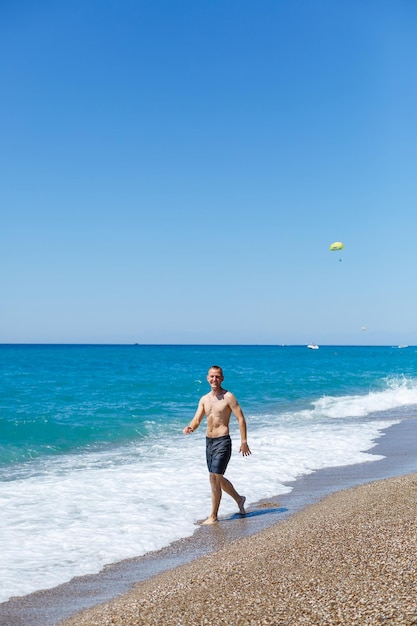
[{"x": 312, "y": 346}]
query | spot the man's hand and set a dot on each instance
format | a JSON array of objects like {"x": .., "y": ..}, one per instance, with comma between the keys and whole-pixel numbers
[
  {"x": 187, "y": 430},
  {"x": 244, "y": 449}
]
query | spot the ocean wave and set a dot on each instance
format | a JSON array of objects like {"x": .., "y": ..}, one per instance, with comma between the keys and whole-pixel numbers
[{"x": 399, "y": 392}]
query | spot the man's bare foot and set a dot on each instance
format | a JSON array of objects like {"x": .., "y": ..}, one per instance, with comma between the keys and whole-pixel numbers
[
  {"x": 241, "y": 505},
  {"x": 209, "y": 520}
]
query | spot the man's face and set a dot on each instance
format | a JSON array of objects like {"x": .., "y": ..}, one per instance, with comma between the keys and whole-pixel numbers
[{"x": 215, "y": 378}]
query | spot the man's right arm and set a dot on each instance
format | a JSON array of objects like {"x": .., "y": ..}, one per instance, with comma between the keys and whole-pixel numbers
[{"x": 197, "y": 419}]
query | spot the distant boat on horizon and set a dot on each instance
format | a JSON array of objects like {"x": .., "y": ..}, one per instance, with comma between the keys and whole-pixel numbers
[{"x": 312, "y": 346}]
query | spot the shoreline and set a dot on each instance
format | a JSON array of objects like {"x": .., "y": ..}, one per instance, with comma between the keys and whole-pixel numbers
[
  {"x": 49, "y": 607},
  {"x": 348, "y": 560}
]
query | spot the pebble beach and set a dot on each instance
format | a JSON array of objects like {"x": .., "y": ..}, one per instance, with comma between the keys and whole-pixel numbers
[{"x": 349, "y": 559}]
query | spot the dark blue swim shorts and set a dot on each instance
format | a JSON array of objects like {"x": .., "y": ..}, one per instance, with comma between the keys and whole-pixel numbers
[{"x": 218, "y": 453}]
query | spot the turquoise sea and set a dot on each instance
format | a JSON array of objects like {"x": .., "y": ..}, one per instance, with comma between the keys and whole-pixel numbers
[{"x": 93, "y": 464}]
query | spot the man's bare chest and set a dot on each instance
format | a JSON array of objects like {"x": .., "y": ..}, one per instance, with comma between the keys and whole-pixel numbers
[{"x": 217, "y": 406}]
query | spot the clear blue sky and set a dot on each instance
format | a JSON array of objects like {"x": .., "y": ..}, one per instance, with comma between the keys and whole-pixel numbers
[{"x": 175, "y": 171}]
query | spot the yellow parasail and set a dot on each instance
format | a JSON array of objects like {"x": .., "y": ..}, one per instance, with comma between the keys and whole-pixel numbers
[{"x": 337, "y": 245}]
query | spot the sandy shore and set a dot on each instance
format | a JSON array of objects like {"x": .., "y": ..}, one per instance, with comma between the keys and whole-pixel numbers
[{"x": 349, "y": 559}]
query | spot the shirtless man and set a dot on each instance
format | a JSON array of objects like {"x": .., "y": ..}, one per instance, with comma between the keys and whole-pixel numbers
[{"x": 218, "y": 405}]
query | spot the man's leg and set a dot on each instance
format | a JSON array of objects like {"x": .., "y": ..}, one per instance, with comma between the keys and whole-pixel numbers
[
  {"x": 216, "y": 496},
  {"x": 227, "y": 486}
]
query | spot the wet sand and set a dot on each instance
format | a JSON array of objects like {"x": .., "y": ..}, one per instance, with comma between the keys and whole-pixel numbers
[{"x": 349, "y": 557}]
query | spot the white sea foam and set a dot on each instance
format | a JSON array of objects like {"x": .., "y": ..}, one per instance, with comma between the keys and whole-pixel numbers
[
  {"x": 399, "y": 392},
  {"x": 77, "y": 513}
]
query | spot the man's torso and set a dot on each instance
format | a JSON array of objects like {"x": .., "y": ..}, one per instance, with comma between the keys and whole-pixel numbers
[{"x": 218, "y": 412}]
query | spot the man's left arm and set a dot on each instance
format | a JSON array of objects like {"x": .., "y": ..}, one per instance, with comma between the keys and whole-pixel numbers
[{"x": 235, "y": 406}]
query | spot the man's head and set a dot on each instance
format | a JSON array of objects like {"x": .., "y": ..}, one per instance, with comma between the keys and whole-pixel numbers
[{"x": 215, "y": 376}]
